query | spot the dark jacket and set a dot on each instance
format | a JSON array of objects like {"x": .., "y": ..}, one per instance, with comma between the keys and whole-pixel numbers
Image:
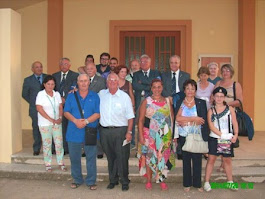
[
  {"x": 141, "y": 83},
  {"x": 71, "y": 80},
  {"x": 201, "y": 112},
  {"x": 167, "y": 82},
  {"x": 31, "y": 87}
]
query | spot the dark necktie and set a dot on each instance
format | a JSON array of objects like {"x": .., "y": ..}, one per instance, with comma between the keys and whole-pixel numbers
[
  {"x": 174, "y": 84},
  {"x": 39, "y": 79},
  {"x": 145, "y": 74},
  {"x": 90, "y": 80},
  {"x": 62, "y": 84}
]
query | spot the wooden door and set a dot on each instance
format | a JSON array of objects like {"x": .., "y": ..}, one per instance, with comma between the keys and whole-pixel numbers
[{"x": 158, "y": 45}]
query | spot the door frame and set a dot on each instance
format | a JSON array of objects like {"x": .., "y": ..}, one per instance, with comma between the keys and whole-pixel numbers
[{"x": 184, "y": 26}]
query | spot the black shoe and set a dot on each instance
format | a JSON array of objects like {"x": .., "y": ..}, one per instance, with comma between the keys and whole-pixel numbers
[
  {"x": 112, "y": 185},
  {"x": 125, "y": 187},
  {"x": 83, "y": 155},
  {"x": 36, "y": 153},
  {"x": 53, "y": 152},
  {"x": 100, "y": 156},
  {"x": 66, "y": 152}
]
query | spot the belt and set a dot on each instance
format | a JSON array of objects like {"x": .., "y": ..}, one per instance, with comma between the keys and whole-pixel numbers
[{"x": 111, "y": 127}]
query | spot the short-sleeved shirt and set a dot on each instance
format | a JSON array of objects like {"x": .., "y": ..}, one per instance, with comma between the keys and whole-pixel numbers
[
  {"x": 115, "y": 110},
  {"x": 89, "y": 105},
  {"x": 205, "y": 94},
  {"x": 50, "y": 105}
]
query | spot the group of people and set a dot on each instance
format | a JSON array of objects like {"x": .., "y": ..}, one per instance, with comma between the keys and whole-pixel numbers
[{"x": 111, "y": 99}]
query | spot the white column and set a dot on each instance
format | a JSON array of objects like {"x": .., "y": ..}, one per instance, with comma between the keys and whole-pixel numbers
[{"x": 10, "y": 80}]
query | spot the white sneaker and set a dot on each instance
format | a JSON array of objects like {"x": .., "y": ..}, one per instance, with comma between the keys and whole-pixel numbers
[
  {"x": 207, "y": 186},
  {"x": 232, "y": 186}
]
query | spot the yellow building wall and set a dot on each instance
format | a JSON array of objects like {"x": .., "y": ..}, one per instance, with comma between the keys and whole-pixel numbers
[
  {"x": 86, "y": 31},
  {"x": 34, "y": 47},
  {"x": 10, "y": 75},
  {"x": 260, "y": 66},
  {"x": 214, "y": 25}
]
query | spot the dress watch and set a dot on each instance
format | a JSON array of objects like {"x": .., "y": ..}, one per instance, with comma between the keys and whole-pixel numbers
[
  {"x": 86, "y": 120},
  {"x": 129, "y": 132}
]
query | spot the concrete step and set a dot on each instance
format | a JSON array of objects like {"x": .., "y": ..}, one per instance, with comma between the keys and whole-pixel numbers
[{"x": 37, "y": 172}]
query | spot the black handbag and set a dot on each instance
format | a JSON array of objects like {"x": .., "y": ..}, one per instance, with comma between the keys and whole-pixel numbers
[
  {"x": 90, "y": 133},
  {"x": 241, "y": 117}
]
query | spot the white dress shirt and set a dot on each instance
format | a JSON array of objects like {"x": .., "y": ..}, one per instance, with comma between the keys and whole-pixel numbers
[
  {"x": 115, "y": 110},
  {"x": 147, "y": 72},
  {"x": 65, "y": 75},
  {"x": 177, "y": 79}
]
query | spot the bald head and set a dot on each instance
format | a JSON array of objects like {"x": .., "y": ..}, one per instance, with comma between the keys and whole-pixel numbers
[{"x": 90, "y": 69}]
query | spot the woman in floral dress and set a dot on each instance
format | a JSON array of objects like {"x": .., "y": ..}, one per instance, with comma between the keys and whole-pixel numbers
[{"x": 155, "y": 136}]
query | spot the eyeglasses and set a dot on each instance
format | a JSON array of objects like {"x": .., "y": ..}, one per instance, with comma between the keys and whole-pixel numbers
[{"x": 104, "y": 59}]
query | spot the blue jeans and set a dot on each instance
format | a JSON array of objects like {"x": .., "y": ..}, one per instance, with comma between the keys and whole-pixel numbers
[{"x": 75, "y": 152}]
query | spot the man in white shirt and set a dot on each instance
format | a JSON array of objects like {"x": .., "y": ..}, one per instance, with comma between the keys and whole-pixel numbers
[{"x": 116, "y": 122}]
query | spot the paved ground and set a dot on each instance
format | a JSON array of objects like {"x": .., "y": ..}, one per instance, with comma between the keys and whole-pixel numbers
[{"x": 14, "y": 189}]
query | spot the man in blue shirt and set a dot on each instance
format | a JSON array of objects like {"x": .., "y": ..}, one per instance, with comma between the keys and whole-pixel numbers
[{"x": 75, "y": 135}]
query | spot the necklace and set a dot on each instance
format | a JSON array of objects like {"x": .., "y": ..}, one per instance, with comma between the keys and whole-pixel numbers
[
  {"x": 157, "y": 100},
  {"x": 189, "y": 103}
]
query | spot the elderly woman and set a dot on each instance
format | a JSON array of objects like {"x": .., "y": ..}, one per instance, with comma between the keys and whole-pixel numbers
[
  {"x": 192, "y": 119},
  {"x": 204, "y": 88},
  {"x": 50, "y": 111},
  {"x": 155, "y": 136},
  {"x": 213, "y": 68},
  {"x": 220, "y": 118}
]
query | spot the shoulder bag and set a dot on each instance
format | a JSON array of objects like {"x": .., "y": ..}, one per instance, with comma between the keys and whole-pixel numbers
[{"x": 90, "y": 133}]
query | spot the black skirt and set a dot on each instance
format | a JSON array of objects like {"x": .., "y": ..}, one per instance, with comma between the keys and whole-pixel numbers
[{"x": 212, "y": 145}]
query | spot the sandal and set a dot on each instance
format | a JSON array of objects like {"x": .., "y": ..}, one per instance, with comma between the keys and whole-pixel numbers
[
  {"x": 48, "y": 168},
  {"x": 63, "y": 168},
  {"x": 92, "y": 187},
  {"x": 74, "y": 185},
  {"x": 163, "y": 186},
  {"x": 200, "y": 189},
  {"x": 148, "y": 186},
  {"x": 186, "y": 189}
]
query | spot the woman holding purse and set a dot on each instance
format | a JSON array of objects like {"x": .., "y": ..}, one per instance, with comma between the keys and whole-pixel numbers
[
  {"x": 191, "y": 119},
  {"x": 221, "y": 118}
]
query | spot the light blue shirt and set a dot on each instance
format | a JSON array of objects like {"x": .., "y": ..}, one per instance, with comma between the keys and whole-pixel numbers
[
  {"x": 41, "y": 78},
  {"x": 115, "y": 110}
]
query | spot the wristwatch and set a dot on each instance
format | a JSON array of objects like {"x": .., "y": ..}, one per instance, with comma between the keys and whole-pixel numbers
[
  {"x": 86, "y": 120},
  {"x": 129, "y": 132}
]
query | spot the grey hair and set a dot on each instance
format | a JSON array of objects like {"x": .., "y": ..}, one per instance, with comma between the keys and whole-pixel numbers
[
  {"x": 137, "y": 60},
  {"x": 32, "y": 65},
  {"x": 212, "y": 63},
  {"x": 117, "y": 77},
  {"x": 145, "y": 56},
  {"x": 64, "y": 58},
  {"x": 174, "y": 56},
  {"x": 82, "y": 75}
]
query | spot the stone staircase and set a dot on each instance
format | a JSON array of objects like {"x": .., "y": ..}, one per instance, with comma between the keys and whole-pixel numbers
[{"x": 248, "y": 165}]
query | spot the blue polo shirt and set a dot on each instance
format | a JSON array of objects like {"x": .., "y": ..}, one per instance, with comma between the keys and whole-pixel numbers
[{"x": 90, "y": 105}]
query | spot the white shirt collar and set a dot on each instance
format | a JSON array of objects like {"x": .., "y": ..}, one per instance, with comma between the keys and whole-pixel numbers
[
  {"x": 148, "y": 71},
  {"x": 177, "y": 73}
]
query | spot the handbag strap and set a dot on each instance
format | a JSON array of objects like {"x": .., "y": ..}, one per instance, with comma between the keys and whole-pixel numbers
[
  {"x": 234, "y": 91},
  {"x": 79, "y": 106},
  {"x": 213, "y": 109}
]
